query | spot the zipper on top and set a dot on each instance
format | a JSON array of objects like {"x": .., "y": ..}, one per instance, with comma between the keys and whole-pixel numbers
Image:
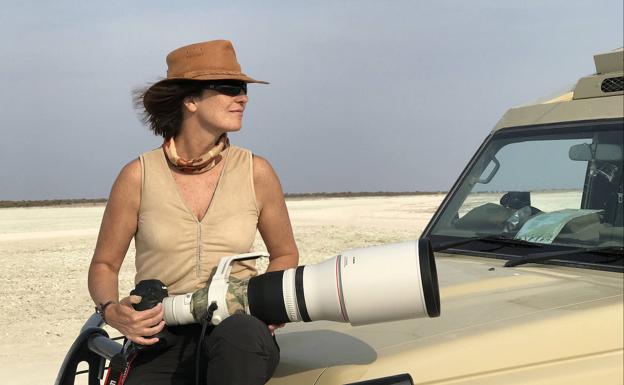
[{"x": 199, "y": 250}]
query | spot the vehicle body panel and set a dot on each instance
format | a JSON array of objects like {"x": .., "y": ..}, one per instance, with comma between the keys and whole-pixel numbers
[{"x": 496, "y": 322}]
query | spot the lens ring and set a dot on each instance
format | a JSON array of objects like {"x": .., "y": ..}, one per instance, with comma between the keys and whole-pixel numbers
[
  {"x": 290, "y": 295},
  {"x": 429, "y": 277},
  {"x": 301, "y": 303}
]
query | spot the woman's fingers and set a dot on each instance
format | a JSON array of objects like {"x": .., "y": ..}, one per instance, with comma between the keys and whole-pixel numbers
[
  {"x": 150, "y": 331},
  {"x": 130, "y": 300},
  {"x": 136, "y": 332},
  {"x": 142, "y": 340},
  {"x": 143, "y": 335},
  {"x": 147, "y": 341},
  {"x": 272, "y": 327},
  {"x": 153, "y": 319},
  {"x": 146, "y": 325},
  {"x": 156, "y": 312},
  {"x": 152, "y": 315},
  {"x": 139, "y": 325}
]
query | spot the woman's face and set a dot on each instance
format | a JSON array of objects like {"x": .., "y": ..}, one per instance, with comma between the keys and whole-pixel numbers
[{"x": 221, "y": 113}]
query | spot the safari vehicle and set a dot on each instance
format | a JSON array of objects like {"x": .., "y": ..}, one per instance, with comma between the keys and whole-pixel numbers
[
  {"x": 529, "y": 255},
  {"x": 529, "y": 262}
]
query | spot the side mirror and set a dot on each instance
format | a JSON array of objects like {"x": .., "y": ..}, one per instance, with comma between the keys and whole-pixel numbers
[{"x": 602, "y": 152}]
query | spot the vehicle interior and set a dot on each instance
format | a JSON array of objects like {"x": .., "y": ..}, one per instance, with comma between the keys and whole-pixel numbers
[{"x": 550, "y": 186}]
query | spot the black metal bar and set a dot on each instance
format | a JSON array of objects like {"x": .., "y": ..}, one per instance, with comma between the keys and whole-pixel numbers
[
  {"x": 92, "y": 346},
  {"x": 103, "y": 346}
]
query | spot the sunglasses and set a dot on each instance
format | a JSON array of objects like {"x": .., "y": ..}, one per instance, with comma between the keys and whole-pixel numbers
[{"x": 229, "y": 88}]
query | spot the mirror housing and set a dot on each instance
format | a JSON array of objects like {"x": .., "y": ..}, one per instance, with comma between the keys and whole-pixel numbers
[{"x": 602, "y": 152}]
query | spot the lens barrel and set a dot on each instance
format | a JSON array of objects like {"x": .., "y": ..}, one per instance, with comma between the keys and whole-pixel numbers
[{"x": 361, "y": 286}]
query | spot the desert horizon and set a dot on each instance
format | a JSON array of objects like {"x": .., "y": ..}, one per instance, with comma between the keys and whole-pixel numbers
[
  {"x": 9, "y": 203},
  {"x": 45, "y": 253}
]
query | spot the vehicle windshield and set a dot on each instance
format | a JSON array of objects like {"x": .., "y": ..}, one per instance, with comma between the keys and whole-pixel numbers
[{"x": 555, "y": 187}]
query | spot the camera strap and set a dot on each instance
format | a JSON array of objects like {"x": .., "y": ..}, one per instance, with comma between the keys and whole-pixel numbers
[
  {"x": 205, "y": 322},
  {"x": 119, "y": 368}
]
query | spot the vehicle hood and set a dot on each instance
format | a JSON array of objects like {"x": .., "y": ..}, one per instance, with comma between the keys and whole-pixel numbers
[{"x": 492, "y": 318}]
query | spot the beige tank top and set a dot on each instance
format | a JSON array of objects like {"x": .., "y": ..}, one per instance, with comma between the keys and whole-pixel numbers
[{"x": 172, "y": 245}]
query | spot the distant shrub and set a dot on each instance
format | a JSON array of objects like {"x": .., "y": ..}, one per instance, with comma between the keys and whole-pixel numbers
[
  {"x": 351, "y": 194},
  {"x": 51, "y": 202}
]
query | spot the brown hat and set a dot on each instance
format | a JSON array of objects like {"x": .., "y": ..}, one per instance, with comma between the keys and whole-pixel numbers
[{"x": 209, "y": 60}]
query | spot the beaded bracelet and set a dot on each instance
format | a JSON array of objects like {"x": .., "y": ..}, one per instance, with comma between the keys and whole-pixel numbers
[{"x": 101, "y": 308}]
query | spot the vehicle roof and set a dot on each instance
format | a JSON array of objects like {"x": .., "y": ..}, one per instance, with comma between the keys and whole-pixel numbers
[{"x": 591, "y": 98}]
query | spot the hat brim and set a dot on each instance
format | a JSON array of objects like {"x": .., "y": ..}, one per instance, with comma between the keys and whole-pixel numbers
[
  {"x": 239, "y": 76},
  {"x": 204, "y": 77}
]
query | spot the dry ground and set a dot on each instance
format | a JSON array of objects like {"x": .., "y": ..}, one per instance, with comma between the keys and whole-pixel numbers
[{"x": 45, "y": 253}]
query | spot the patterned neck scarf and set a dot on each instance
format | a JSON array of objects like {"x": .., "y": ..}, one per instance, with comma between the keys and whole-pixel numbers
[{"x": 197, "y": 165}]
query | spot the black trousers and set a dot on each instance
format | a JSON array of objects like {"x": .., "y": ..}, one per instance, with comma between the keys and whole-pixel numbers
[{"x": 239, "y": 351}]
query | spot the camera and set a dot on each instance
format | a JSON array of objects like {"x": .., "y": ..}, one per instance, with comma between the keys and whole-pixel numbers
[
  {"x": 362, "y": 286},
  {"x": 152, "y": 292}
]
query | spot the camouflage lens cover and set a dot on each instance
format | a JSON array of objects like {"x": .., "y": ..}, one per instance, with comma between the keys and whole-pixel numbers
[
  {"x": 236, "y": 296},
  {"x": 236, "y": 299}
]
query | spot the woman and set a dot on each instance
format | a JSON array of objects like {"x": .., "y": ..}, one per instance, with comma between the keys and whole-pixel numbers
[{"x": 188, "y": 204}]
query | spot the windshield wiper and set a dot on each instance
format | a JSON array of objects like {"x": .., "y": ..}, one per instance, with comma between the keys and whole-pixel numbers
[
  {"x": 498, "y": 239},
  {"x": 539, "y": 257}
]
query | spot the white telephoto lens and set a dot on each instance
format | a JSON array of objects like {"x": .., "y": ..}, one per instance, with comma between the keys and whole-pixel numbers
[
  {"x": 178, "y": 310},
  {"x": 373, "y": 284},
  {"x": 382, "y": 283}
]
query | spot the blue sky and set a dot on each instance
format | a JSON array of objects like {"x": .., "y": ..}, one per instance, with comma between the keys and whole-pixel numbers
[{"x": 364, "y": 95}]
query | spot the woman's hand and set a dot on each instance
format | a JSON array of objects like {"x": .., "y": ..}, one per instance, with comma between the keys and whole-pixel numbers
[
  {"x": 272, "y": 328},
  {"x": 135, "y": 325}
]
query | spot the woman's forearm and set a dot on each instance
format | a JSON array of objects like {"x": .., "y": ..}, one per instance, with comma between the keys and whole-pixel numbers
[
  {"x": 283, "y": 262},
  {"x": 103, "y": 287},
  {"x": 103, "y": 283}
]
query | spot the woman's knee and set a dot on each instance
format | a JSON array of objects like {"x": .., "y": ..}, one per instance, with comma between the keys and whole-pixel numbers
[
  {"x": 241, "y": 350},
  {"x": 246, "y": 333}
]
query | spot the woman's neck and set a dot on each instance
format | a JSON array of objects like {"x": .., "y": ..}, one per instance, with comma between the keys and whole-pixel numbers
[{"x": 193, "y": 142}]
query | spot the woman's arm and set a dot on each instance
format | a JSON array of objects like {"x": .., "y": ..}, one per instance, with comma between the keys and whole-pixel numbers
[
  {"x": 273, "y": 222},
  {"x": 119, "y": 225}
]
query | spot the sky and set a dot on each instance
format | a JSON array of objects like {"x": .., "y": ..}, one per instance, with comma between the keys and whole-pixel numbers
[{"x": 386, "y": 95}]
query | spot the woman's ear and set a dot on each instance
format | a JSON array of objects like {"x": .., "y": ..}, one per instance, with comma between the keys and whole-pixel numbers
[{"x": 190, "y": 103}]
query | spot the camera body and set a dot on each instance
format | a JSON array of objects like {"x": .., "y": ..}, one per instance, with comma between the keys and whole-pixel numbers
[{"x": 152, "y": 292}]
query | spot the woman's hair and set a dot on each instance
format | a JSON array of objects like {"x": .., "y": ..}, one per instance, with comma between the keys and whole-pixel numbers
[{"x": 160, "y": 105}]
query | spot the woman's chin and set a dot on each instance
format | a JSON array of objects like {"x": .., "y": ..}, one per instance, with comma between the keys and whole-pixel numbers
[{"x": 235, "y": 127}]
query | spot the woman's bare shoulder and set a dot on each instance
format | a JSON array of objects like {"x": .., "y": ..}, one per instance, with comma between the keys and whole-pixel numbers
[
  {"x": 131, "y": 173},
  {"x": 127, "y": 186},
  {"x": 263, "y": 171},
  {"x": 266, "y": 183}
]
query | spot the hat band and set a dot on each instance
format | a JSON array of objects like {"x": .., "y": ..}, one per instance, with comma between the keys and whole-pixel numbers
[{"x": 196, "y": 74}]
